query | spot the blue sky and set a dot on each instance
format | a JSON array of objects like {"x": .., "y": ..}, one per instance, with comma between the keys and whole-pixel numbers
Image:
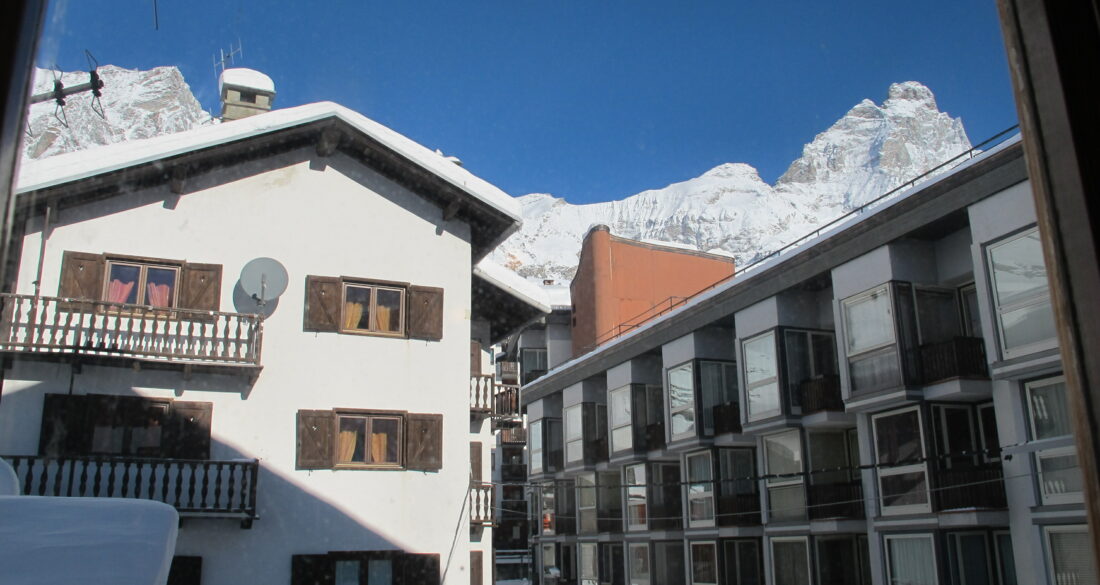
[{"x": 588, "y": 100}]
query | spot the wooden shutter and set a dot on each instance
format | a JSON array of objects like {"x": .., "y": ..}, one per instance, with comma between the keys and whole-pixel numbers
[
  {"x": 316, "y": 429},
  {"x": 424, "y": 442},
  {"x": 64, "y": 430},
  {"x": 185, "y": 571},
  {"x": 475, "y": 462},
  {"x": 420, "y": 569},
  {"x": 81, "y": 276},
  {"x": 426, "y": 313},
  {"x": 187, "y": 434},
  {"x": 322, "y": 303},
  {"x": 477, "y": 566},
  {"x": 475, "y": 358},
  {"x": 200, "y": 286},
  {"x": 312, "y": 570}
]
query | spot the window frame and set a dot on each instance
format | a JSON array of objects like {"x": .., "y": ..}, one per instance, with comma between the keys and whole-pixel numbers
[
  {"x": 691, "y": 407},
  {"x": 591, "y": 489},
  {"x": 921, "y": 467},
  {"x": 805, "y": 540},
  {"x": 708, "y": 492},
  {"x": 1041, "y": 454},
  {"x": 774, "y": 379},
  {"x": 1031, "y": 300},
  {"x": 641, "y": 487},
  {"x": 535, "y": 457},
  {"x": 630, "y": 576},
  {"x": 143, "y": 265},
  {"x": 886, "y": 538},
  {"x": 815, "y": 369},
  {"x": 955, "y": 558},
  {"x": 370, "y": 415},
  {"x": 1048, "y": 545},
  {"x": 628, "y": 391},
  {"x": 713, "y": 544},
  {"x": 873, "y": 351},
  {"x": 782, "y": 483},
  {"x": 374, "y": 286},
  {"x": 568, "y": 431}
]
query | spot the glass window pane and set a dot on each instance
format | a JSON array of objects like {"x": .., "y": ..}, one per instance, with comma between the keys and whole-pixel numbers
[
  {"x": 351, "y": 442},
  {"x": 970, "y": 558},
  {"x": 122, "y": 283},
  {"x": 638, "y": 555},
  {"x": 784, "y": 453},
  {"x": 573, "y": 423},
  {"x": 790, "y": 562},
  {"x": 681, "y": 389},
  {"x": 620, "y": 407},
  {"x": 869, "y": 321},
  {"x": 347, "y": 573},
  {"x": 787, "y": 503},
  {"x": 357, "y": 307},
  {"x": 588, "y": 562},
  {"x": 1018, "y": 268},
  {"x": 748, "y": 563},
  {"x": 905, "y": 489},
  {"x": 763, "y": 400},
  {"x": 1005, "y": 558},
  {"x": 836, "y": 561},
  {"x": 972, "y": 319},
  {"x": 160, "y": 286},
  {"x": 1049, "y": 410},
  {"x": 384, "y": 440},
  {"x": 1027, "y": 325},
  {"x": 698, "y": 467},
  {"x": 380, "y": 572},
  {"x": 683, "y": 423},
  {"x": 388, "y": 310},
  {"x": 1058, "y": 473},
  {"x": 937, "y": 315},
  {"x": 911, "y": 561},
  {"x": 875, "y": 371},
  {"x": 898, "y": 437},
  {"x": 1071, "y": 557},
  {"x": 704, "y": 563},
  {"x": 737, "y": 466},
  {"x": 759, "y": 356}
]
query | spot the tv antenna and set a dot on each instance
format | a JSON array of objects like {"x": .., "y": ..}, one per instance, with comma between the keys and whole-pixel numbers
[
  {"x": 223, "y": 57},
  {"x": 60, "y": 92}
]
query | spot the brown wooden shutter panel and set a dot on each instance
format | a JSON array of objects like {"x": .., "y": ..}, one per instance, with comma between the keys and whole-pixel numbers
[
  {"x": 475, "y": 358},
  {"x": 426, "y": 312},
  {"x": 424, "y": 442},
  {"x": 312, "y": 570},
  {"x": 187, "y": 435},
  {"x": 315, "y": 434},
  {"x": 201, "y": 286},
  {"x": 420, "y": 569},
  {"x": 475, "y": 462},
  {"x": 64, "y": 430},
  {"x": 477, "y": 566},
  {"x": 322, "y": 303},
  {"x": 81, "y": 276}
]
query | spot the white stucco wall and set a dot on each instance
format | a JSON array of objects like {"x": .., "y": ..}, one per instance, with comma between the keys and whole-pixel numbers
[{"x": 331, "y": 219}]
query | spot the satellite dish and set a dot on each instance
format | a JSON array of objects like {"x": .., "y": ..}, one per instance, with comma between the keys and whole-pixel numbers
[{"x": 264, "y": 279}]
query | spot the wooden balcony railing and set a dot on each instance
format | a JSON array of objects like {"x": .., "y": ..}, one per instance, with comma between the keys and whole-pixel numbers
[
  {"x": 835, "y": 500},
  {"x": 962, "y": 357},
  {"x": 489, "y": 397},
  {"x": 505, "y": 400},
  {"x": 509, "y": 372},
  {"x": 969, "y": 486},
  {"x": 196, "y": 488},
  {"x": 481, "y": 504},
  {"x": 513, "y": 435},
  {"x": 56, "y": 326},
  {"x": 820, "y": 394},
  {"x": 481, "y": 395}
]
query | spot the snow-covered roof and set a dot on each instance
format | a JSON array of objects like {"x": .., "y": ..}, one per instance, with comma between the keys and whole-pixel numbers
[
  {"x": 249, "y": 78},
  {"x": 75, "y": 166},
  {"x": 559, "y": 296},
  {"x": 513, "y": 284}
]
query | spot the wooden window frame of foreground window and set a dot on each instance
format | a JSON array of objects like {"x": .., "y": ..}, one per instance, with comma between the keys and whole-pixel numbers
[
  {"x": 374, "y": 286},
  {"x": 324, "y": 311},
  {"x": 369, "y": 416},
  {"x": 420, "y": 443},
  {"x": 86, "y": 277}
]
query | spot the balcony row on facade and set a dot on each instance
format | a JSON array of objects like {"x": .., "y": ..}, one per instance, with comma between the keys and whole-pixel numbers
[{"x": 900, "y": 392}]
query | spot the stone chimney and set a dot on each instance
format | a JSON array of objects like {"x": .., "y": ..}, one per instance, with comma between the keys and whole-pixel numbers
[{"x": 245, "y": 92}]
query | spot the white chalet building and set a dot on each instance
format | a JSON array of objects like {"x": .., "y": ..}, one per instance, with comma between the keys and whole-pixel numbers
[{"x": 325, "y": 436}]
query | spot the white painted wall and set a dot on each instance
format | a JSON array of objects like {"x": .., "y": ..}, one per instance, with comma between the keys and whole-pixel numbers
[{"x": 332, "y": 219}]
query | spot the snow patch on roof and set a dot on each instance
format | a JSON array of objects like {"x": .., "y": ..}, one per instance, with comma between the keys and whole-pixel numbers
[
  {"x": 559, "y": 296},
  {"x": 513, "y": 284},
  {"x": 75, "y": 166},
  {"x": 250, "y": 78}
]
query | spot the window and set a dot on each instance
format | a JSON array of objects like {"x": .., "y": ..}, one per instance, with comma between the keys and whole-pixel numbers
[
  {"x": 937, "y": 315},
  {"x": 131, "y": 280},
  {"x": 700, "y": 490},
  {"x": 612, "y": 564},
  {"x": 910, "y": 560},
  {"x": 954, "y": 434},
  {"x": 870, "y": 341},
  {"x": 704, "y": 563},
  {"x": 969, "y": 559},
  {"x": 761, "y": 376},
  {"x": 574, "y": 434},
  {"x": 1006, "y": 563},
  {"x": 548, "y": 503},
  {"x": 365, "y": 307},
  {"x": 1048, "y": 415},
  {"x": 1071, "y": 559},
  {"x": 638, "y": 563},
  {"x": 534, "y": 443},
  {"x": 609, "y": 502},
  {"x": 987, "y": 430},
  {"x": 588, "y": 565},
  {"x": 368, "y": 440},
  {"x": 668, "y": 563},
  {"x": 681, "y": 401},
  {"x": 586, "y": 504},
  {"x": 971, "y": 314},
  {"x": 786, "y": 495},
  {"x": 666, "y": 497},
  {"x": 533, "y": 363},
  {"x": 360, "y": 439},
  {"x": 1025, "y": 319},
  {"x": 738, "y": 495},
  {"x": 811, "y": 355},
  {"x": 840, "y": 560},
  {"x": 549, "y": 561},
  {"x": 791, "y": 561},
  {"x": 384, "y": 567},
  {"x": 717, "y": 387},
  {"x": 99, "y": 424},
  {"x": 743, "y": 565},
  {"x": 622, "y": 434},
  {"x": 899, "y": 438},
  {"x": 373, "y": 309},
  {"x": 634, "y": 478}
]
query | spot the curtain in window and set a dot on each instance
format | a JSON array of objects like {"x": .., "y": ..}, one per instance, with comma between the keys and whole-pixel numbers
[
  {"x": 379, "y": 443},
  {"x": 1072, "y": 558},
  {"x": 384, "y": 318},
  {"x": 911, "y": 561},
  {"x": 353, "y": 313},
  {"x": 118, "y": 291},
  {"x": 158, "y": 294},
  {"x": 345, "y": 445}
]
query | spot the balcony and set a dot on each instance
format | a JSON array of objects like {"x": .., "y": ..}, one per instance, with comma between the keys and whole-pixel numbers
[
  {"x": 737, "y": 509},
  {"x": 835, "y": 500},
  {"x": 505, "y": 401},
  {"x": 513, "y": 435},
  {"x": 727, "y": 418},
  {"x": 196, "y": 488},
  {"x": 509, "y": 372},
  {"x": 822, "y": 393},
  {"x": 516, "y": 472},
  {"x": 961, "y": 357},
  {"x": 481, "y": 504},
  {"x": 103, "y": 332},
  {"x": 968, "y": 486},
  {"x": 490, "y": 398}
]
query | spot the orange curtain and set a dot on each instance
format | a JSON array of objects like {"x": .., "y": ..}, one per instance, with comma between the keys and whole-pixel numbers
[
  {"x": 118, "y": 291},
  {"x": 378, "y": 444},
  {"x": 383, "y": 320},
  {"x": 345, "y": 446},
  {"x": 353, "y": 312},
  {"x": 158, "y": 295}
]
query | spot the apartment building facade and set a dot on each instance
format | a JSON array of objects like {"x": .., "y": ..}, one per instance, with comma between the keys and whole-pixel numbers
[
  {"x": 325, "y": 433},
  {"x": 883, "y": 404}
]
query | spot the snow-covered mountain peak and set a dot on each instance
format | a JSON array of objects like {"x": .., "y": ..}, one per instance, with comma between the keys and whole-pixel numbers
[
  {"x": 911, "y": 91},
  {"x": 734, "y": 170}
]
